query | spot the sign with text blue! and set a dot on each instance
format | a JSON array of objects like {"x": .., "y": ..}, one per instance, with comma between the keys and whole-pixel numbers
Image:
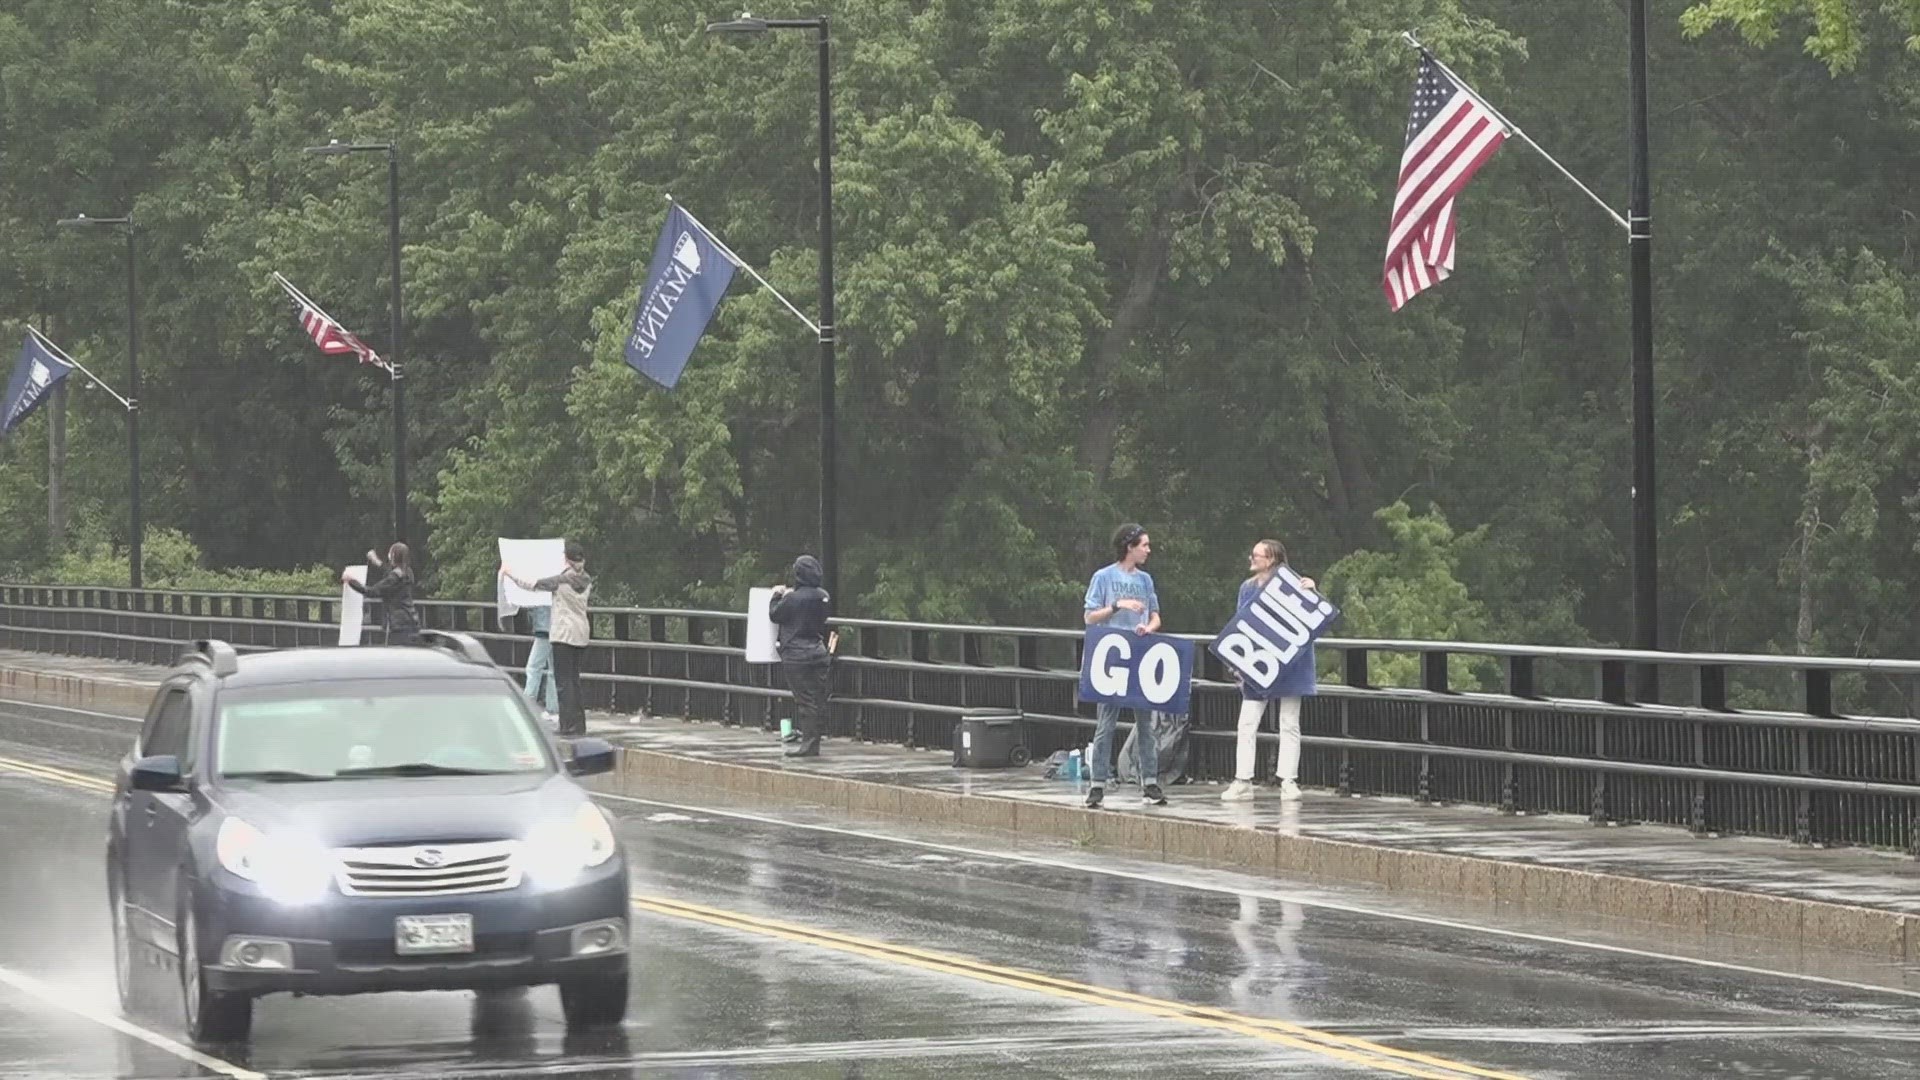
[
  {"x": 1270, "y": 633},
  {"x": 1138, "y": 671}
]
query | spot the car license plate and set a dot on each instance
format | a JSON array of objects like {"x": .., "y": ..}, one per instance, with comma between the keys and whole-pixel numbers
[{"x": 414, "y": 935}]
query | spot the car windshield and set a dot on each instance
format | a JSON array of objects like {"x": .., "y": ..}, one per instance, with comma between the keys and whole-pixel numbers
[{"x": 345, "y": 731}]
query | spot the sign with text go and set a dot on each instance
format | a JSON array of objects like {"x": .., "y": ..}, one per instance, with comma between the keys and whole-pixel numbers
[{"x": 1140, "y": 671}]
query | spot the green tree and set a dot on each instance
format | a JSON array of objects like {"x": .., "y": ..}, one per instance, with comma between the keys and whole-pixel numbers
[
  {"x": 1412, "y": 590},
  {"x": 1840, "y": 28}
]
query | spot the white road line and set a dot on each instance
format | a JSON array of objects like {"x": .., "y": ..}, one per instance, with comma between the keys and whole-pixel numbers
[
  {"x": 40, "y": 991},
  {"x": 1303, "y": 901}
]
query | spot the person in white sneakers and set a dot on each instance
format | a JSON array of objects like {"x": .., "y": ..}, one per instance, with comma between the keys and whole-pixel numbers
[{"x": 1298, "y": 681}]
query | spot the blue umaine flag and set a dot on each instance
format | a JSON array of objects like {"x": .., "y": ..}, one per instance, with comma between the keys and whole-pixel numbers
[
  {"x": 38, "y": 371},
  {"x": 685, "y": 284}
]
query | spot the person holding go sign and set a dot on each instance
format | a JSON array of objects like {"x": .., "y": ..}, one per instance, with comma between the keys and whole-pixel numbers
[{"x": 1121, "y": 596}]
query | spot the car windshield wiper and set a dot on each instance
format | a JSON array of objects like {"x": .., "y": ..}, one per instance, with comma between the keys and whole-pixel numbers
[
  {"x": 277, "y": 776},
  {"x": 420, "y": 768}
]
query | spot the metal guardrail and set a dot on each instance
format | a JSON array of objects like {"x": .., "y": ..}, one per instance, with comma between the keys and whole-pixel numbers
[{"x": 1561, "y": 735}]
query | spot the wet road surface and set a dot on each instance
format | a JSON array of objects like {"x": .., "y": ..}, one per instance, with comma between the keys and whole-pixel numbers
[{"x": 765, "y": 949}]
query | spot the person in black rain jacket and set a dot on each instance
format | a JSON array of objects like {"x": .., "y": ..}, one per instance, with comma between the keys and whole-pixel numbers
[
  {"x": 394, "y": 590},
  {"x": 800, "y": 615}
]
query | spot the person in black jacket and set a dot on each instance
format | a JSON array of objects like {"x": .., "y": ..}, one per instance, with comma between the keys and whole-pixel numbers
[
  {"x": 800, "y": 613},
  {"x": 394, "y": 590}
]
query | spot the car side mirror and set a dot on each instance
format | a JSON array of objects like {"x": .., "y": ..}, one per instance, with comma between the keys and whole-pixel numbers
[
  {"x": 160, "y": 772},
  {"x": 591, "y": 756}
]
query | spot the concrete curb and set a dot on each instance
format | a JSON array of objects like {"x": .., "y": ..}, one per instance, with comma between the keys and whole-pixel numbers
[
  {"x": 78, "y": 691},
  {"x": 1694, "y": 911}
]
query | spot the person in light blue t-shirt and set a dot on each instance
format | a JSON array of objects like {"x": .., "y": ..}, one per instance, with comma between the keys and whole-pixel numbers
[{"x": 1121, "y": 596}]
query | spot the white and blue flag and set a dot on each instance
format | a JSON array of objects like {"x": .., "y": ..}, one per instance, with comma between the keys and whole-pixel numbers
[
  {"x": 38, "y": 370},
  {"x": 685, "y": 284}
]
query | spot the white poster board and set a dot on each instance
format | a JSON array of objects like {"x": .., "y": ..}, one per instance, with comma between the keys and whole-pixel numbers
[
  {"x": 760, "y": 649},
  {"x": 531, "y": 560},
  {"x": 353, "y": 608}
]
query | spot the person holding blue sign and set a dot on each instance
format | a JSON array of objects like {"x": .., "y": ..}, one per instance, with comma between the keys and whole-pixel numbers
[
  {"x": 1291, "y": 683},
  {"x": 1121, "y": 596}
]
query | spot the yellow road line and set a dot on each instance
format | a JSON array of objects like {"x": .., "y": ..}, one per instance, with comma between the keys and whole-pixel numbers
[
  {"x": 1345, "y": 1048},
  {"x": 58, "y": 776},
  {"x": 1341, "y": 1047}
]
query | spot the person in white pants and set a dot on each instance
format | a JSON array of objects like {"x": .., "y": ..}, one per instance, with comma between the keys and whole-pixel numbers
[{"x": 1296, "y": 682}]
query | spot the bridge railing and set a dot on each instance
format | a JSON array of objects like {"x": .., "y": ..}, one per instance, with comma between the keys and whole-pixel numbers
[{"x": 1762, "y": 745}]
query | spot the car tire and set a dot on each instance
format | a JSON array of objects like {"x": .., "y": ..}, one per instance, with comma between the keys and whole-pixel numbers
[
  {"x": 211, "y": 1017},
  {"x": 129, "y": 968},
  {"x": 591, "y": 1001}
]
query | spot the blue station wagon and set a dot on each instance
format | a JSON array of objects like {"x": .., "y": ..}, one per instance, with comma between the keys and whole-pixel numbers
[{"x": 344, "y": 821}]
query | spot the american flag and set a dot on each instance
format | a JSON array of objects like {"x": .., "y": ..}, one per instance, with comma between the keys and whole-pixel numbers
[
  {"x": 332, "y": 338},
  {"x": 1449, "y": 136}
]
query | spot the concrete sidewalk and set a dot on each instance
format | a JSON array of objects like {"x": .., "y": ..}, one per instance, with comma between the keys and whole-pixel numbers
[{"x": 1842, "y": 899}]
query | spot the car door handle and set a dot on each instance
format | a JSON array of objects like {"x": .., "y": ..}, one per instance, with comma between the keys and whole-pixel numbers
[{"x": 152, "y": 812}]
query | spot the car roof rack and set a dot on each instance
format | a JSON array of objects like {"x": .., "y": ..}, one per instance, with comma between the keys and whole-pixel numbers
[
  {"x": 217, "y": 655},
  {"x": 465, "y": 646}
]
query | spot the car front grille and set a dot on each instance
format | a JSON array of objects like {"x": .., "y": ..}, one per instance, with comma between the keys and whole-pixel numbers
[{"x": 429, "y": 869}]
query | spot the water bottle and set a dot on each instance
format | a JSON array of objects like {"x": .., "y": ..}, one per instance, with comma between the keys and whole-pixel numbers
[
  {"x": 786, "y": 728},
  {"x": 1073, "y": 765}
]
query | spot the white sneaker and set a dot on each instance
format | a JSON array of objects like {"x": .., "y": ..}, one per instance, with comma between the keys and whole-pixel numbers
[
  {"x": 551, "y": 718},
  {"x": 1289, "y": 790},
  {"x": 1238, "y": 791}
]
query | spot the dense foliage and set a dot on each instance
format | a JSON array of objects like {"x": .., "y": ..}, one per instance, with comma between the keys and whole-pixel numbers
[{"x": 1098, "y": 260}]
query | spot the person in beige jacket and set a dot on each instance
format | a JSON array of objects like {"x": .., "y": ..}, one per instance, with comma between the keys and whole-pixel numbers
[{"x": 570, "y": 631}]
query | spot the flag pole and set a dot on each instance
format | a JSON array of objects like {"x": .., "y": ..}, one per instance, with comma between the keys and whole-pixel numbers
[
  {"x": 304, "y": 298},
  {"x": 742, "y": 264},
  {"x": 1515, "y": 128},
  {"x": 62, "y": 354},
  {"x": 1646, "y": 562}
]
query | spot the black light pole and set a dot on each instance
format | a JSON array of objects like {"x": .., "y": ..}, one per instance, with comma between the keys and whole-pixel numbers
[
  {"x": 829, "y": 502},
  {"x": 336, "y": 148},
  {"x": 133, "y": 388},
  {"x": 1646, "y": 563}
]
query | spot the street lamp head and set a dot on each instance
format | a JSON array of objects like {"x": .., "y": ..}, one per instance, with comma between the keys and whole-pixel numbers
[
  {"x": 748, "y": 23},
  {"x": 336, "y": 148},
  {"x": 83, "y": 220},
  {"x": 745, "y": 24}
]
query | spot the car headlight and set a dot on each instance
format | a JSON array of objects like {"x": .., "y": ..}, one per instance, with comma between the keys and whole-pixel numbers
[
  {"x": 556, "y": 852},
  {"x": 288, "y": 869}
]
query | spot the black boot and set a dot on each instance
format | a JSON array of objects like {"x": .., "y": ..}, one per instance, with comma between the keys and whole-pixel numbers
[{"x": 808, "y": 746}]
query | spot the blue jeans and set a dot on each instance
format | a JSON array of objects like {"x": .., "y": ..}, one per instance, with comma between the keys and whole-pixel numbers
[
  {"x": 1103, "y": 743},
  {"x": 540, "y": 681}
]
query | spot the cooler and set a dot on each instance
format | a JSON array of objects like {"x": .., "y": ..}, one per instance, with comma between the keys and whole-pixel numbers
[{"x": 990, "y": 740}]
